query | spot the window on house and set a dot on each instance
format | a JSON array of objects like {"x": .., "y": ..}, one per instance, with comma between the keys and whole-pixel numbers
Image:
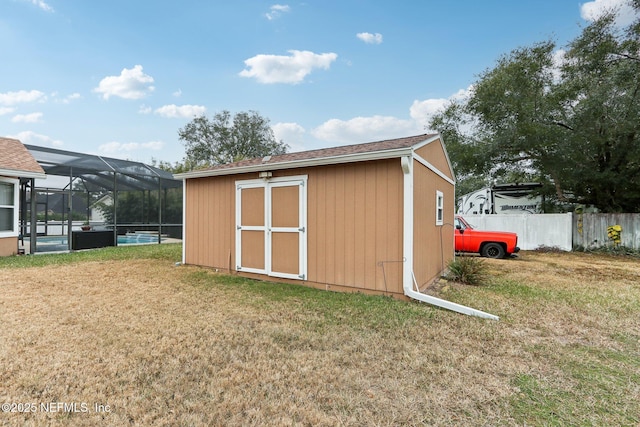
[
  {"x": 439, "y": 208},
  {"x": 8, "y": 208}
]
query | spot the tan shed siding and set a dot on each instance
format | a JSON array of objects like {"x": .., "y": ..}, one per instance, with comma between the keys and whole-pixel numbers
[
  {"x": 355, "y": 223},
  {"x": 210, "y": 222},
  {"x": 8, "y": 246},
  {"x": 433, "y": 245},
  {"x": 434, "y": 154}
]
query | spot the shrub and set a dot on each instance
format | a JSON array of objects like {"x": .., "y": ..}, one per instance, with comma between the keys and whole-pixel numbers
[{"x": 467, "y": 270}]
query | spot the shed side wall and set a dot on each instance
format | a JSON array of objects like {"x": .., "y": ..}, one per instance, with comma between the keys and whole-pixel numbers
[{"x": 433, "y": 244}]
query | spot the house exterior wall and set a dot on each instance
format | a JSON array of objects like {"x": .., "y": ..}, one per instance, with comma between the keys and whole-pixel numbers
[
  {"x": 8, "y": 246},
  {"x": 433, "y": 245},
  {"x": 9, "y": 231},
  {"x": 354, "y": 217}
]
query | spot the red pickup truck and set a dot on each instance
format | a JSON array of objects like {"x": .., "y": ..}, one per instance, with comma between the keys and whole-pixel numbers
[{"x": 490, "y": 244}]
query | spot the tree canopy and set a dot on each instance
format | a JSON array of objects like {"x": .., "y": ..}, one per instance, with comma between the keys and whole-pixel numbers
[
  {"x": 568, "y": 118},
  {"x": 222, "y": 140}
]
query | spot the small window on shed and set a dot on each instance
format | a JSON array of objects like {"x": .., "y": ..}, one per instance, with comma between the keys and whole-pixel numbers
[{"x": 439, "y": 208}]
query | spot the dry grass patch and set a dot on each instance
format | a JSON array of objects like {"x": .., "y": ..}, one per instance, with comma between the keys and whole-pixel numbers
[{"x": 167, "y": 345}]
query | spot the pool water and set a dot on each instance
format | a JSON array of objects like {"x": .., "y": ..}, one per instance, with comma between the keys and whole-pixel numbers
[
  {"x": 59, "y": 243},
  {"x": 132, "y": 239}
]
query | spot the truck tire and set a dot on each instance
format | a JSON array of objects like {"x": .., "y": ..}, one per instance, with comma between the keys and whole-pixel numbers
[{"x": 492, "y": 250}]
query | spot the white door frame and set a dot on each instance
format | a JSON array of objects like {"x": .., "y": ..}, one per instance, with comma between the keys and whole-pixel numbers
[{"x": 267, "y": 228}]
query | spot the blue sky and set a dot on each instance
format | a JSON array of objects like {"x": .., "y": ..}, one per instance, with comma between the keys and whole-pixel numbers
[{"x": 119, "y": 78}]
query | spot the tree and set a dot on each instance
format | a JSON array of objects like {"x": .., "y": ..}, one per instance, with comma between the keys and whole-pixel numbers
[
  {"x": 220, "y": 140},
  {"x": 601, "y": 89},
  {"x": 573, "y": 128},
  {"x": 471, "y": 169},
  {"x": 515, "y": 105}
]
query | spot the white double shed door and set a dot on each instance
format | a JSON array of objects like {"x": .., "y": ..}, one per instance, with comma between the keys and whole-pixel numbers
[{"x": 271, "y": 226}]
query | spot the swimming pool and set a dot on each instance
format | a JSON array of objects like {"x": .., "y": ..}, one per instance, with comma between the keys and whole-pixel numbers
[
  {"x": 133, "y": 239},
  {"x": 60, "y": 243}
]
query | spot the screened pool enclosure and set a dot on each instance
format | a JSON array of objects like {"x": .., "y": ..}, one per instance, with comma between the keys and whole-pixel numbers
[{"x": 91, "y": 201}]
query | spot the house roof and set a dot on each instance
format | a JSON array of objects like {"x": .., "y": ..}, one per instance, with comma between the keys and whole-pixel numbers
[
  {"x": 386, "y": 149},
  {"x": 17, "y": 161}
]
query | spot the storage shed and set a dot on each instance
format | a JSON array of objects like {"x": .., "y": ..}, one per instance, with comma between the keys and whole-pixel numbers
[
  {"x": 374, "y": 217},
  {"x": 16, "y": 163}
]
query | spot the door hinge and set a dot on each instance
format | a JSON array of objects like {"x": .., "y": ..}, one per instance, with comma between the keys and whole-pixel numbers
[
  {"x": 301, "y": 229},
  {"x": 302, "y": 276}
]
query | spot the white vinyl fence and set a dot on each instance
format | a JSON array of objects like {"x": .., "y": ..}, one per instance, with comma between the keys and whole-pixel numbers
[{"x": 534, "y": 230}]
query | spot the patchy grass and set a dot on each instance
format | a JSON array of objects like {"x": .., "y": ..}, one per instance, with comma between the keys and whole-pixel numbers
[
  {"x": 180, "y": 345},
  {"x": 168, "y": 251}
]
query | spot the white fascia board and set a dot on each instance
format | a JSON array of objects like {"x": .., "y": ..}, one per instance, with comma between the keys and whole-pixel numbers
[
  {"x": 348, "y": 158},
  {"x": 432, "y": 168},
  {"x": 22, "y": 174},
  {"x": 444, "y": 148}
]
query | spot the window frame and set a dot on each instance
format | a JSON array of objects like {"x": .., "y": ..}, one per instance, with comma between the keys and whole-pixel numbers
[
  {"x": 439, "y": 207},
  {"x": 16, "y": 184}
]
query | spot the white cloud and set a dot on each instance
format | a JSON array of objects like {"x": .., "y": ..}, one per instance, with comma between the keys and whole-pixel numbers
[
  {"x": 370, "y": 38},
  {"x": 364, "y": 129},
  {"x": 27, "y": 118},
  {"x": 41, "y": 4},
  {"x": 30, "y": 137},
  {"x": 130, "y": 84},
  {"x": 144, "y": 109},
  {"x": 592, "y": 10},
  {"x": 180, "y": 111},
  {"x": 6, "y": 110},
  {"x": 276, "y": 10},
  {"x": 118, "y": 147},
  {"x": 375, "y": 128},
  {"x": 21, "y": 97},
  {"x": 423, "y": 111},
  {"x": 291, "y": 134},
  {"x": 286, "y": 69},
  {"x": 177, "y": 93},
  {"x": 71, "y": 97}
]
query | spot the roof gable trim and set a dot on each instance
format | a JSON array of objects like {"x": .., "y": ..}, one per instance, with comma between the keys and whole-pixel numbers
[
  {"x": 434, "y": 169},
  {"x": 322, "y": 161}
]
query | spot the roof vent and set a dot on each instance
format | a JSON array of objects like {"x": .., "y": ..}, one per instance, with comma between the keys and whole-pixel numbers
[{"x": 266, "y": 159}]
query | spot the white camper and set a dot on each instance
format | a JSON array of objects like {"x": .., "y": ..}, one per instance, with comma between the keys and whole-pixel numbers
[{"x": 502, "y": 199}]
